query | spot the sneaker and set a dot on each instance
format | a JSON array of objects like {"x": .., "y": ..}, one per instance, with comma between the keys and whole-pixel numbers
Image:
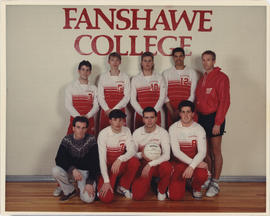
[
  {"x": 206, "y": 184},
  {"x": 161, "y": 196},
  {"x": 69, "y": 196},
  {"x": 213, "y": 190},
  {"x": 57, "y": 192},
  {"x": 124, "y": 191},
  {"x": 197, "y": 194}
]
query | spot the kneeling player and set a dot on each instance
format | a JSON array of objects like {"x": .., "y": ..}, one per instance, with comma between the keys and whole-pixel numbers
[
  {"x": 116, "y": 151},
  {"x": 153, "y": 148},
  {"x": 188, "y": 144}
]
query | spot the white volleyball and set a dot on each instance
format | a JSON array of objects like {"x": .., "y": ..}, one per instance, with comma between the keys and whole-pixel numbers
[{"x": 152, "y": 151}]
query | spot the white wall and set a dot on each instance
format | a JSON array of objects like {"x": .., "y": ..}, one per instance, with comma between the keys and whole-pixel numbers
[{"x": 41, "y": 61}]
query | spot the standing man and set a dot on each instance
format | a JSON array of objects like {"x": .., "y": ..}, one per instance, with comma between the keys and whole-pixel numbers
[
  {"x": 81, "y": 98},
  {"x": 113, "y": 90},
  {"x": 77, "y": 158},
  {"x": 116, "y": 150},
  {"x": 181, "y": 83},
  {"x": 212, "y": 104},
  {"x": 147, "y": 89},
  {"x": 188, "y": 144},
  {"x": 152, "y": 134}
]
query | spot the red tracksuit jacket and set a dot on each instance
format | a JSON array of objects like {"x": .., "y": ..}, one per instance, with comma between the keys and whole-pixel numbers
[{"x": 213, "y": 94}]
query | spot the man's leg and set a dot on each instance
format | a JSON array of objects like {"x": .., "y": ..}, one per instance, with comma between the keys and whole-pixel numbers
[
  {"x": 177, "y": 186},
  {"x": 141, "y": 185},
  {"x": 61, "y": 177},
  {"x": 165, "y": 172},
  {"x": 84, "y": 196},
  {"x": 129, "y": 172},
  {"x": 218, "y": 159},
  {"x": 217, "y": 165}
]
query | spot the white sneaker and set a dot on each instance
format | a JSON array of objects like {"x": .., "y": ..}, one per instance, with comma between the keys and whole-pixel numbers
[
  {"x": 206, "y": 184},
  {"x": 124, "y": 191},
  {"x": 213, "y": 190},
  {"x": 57, "y": 192},
  {"x": 197, "y": 194},
  {"x": 161, "y": 196}
]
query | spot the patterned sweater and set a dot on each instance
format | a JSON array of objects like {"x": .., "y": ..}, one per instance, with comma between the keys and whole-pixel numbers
[{"x": 81, "y": 154}]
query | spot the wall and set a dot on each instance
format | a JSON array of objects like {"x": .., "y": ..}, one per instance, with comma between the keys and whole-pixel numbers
[{"x": 42, "y": 60}]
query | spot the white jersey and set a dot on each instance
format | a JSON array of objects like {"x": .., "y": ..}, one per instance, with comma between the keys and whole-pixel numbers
[
  {"x": 188, "y": 143},
  {"x": 113, "y": 146},
  {"x": 113, "y": 91},
  {"x": 147, "y": 91},
  {"x": 180, "y": 83},
  {"x": 159, "y": 136},
  {"x": 81, "y": 99}
]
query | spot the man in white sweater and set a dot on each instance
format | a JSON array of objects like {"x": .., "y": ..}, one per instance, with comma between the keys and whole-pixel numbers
[
  {"x": 116, "y": 150},
  {"x": 188, "y": 143},
  {"x": 81, "y": 98},
  {"x": 152, "y": 134},
  {"x": 113, "y": 90}
]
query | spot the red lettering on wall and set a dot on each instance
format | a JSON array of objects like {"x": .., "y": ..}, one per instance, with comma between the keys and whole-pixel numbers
[
  {"x": 124, "y": 19},
  {"x": 77, "y": 44},
  {"x": 160, "y": 45},
  {"x": 133, "y": 46},
  {"x": 183, "y": 43},
  {"x": 118, "y": 45},
  {"x": 184, "y": 16},
  {"x": 86, "y": 20},
  {"x": 163, "y": 21},
  {"x": 135, "y": 19},
  {"x": 148, "y": 44},
  {"x": 110, "y": 23},
  {"x": 68, "y": 18},
  {"x": 94, "y": 45},
  {"x": 203, "y": 20}
]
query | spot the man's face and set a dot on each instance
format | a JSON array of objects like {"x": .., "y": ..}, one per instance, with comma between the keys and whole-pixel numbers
[
  {"x": 208, "y": 62},
  {"x": 186, "y": 115},
  {"x": 149, "y": 119},
  {"x": 84, "y": 72},
  {"x": 116, "y": 124},
  {"x": 178, "y": 59},
  {"x": 147, "y": 63},
  {"x": 79, "y": 130},
  {"x": 114, "y": 62}
]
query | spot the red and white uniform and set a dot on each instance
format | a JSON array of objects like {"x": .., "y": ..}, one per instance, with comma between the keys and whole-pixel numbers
[
  {"x": 113, "y": 146},
  {"x": 160, "y": 167},
  {"x": 147, "y": 91},
  {"x": 189, "y": 149},
  {"x": 113, "y": 93},
  {"x": 180, "y": 85},
  {"x": 213, "y": 94},
  {"x": 81, "y": 99}
]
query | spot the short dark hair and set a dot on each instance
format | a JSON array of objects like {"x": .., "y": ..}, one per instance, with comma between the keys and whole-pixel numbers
[
  {"x": 178, "y": 49},
  {"x": 188, "y": 103},
  {"x": 210, "y": 52},
  {"x": 86, "y": 63},
  {"x": 80, "y": 119},
  {"x": 115, "y": 54},
  {"x": 149, "y": 109},
  {"x": 117, "y": 113}
]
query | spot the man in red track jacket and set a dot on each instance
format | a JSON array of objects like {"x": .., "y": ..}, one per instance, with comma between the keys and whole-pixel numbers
[{"x": 212, "y": 98}]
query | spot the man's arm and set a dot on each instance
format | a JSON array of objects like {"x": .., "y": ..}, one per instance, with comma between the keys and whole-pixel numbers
[
  {"x": 133, "y": 98},
  {"x": 68, "y": 103},
  {"x": 165, "y": 146},
  {"x": 162, "y": 95},
  {"x": 101, "y": 97},
  {"x": 95, "y": 107},
  {"x": 123, "y": 103},
  {"x": 176, "y": 149},
  {"x": 194, "y": 79},
  {"x": 102, "y": 151}
]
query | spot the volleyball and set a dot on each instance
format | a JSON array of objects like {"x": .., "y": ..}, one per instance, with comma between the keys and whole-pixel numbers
[{"x": 152, "y": 151}]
